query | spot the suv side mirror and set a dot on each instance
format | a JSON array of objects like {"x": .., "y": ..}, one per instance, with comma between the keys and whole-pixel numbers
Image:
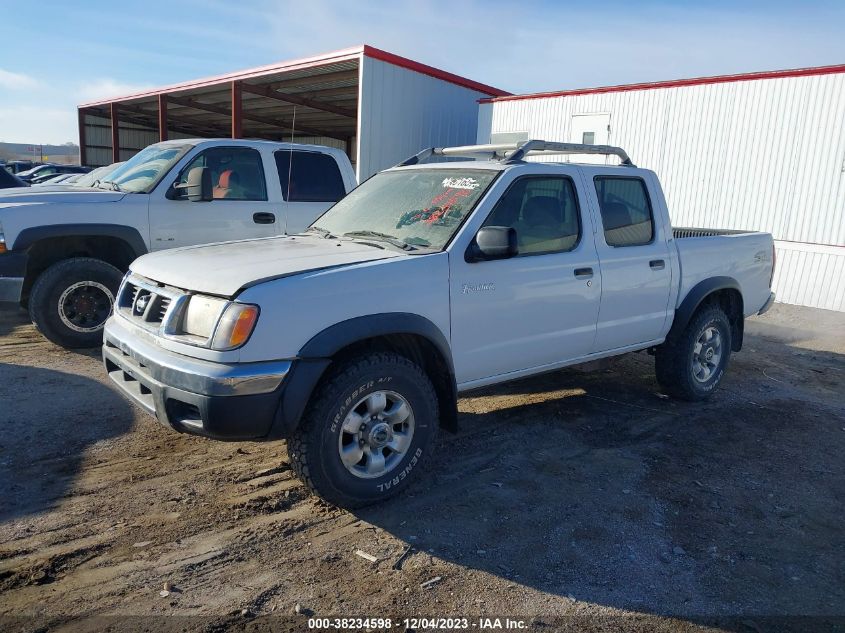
[
  {"x": 198, "y": 186},
  {"x": 493, "y": 242}
]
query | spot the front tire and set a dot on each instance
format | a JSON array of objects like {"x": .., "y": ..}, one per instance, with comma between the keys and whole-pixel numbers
[
  {"x": 692, "y": 366},
  {"x": 71, "y": 300},
  {"x": 370, "y": 426}
]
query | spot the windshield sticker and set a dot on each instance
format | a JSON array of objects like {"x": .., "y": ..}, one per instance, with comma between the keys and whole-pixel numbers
[
  {"x": 440, "y": 211},
  {"x": 460, "y": 183}
]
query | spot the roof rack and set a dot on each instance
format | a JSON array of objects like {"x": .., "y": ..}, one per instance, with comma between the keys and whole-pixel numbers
[{"x": 515, "y": 152}]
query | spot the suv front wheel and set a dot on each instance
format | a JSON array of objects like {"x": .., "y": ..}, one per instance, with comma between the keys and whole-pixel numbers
[
  {"x": 366, "y": 433},
  {"x": 71, "y": 300}
]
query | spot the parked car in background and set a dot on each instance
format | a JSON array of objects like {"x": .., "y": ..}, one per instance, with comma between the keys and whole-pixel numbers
[
  {"x": 46, "y": 170},
  {"x": 63, "y": 251},
  {"x": 353, "y": 340},
  {"x": 9, "y": 180},
  {"x": 17, "y": 166},
  {"x": 51, "y": 179}
]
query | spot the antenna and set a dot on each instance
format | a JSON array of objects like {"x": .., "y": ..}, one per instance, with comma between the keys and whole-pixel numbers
[{"x": 290, "y": 159}]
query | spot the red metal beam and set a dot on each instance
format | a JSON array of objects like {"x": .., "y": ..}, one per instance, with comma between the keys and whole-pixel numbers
[
  {"x": 237, "y": 110},
  {"x": 115, "y": 133},
  {"x": 197, "y": 105},
  {"x": 162, "y": 117},
  {"x": 269, "y": 93},
  {"x": 82, "y": 140}
]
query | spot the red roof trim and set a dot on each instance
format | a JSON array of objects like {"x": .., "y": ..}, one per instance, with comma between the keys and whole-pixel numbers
[
  {"x": 697, "y": 81},
  {"x": 301, "y": 64},
  {"x": 431, "y": 71},
  {"x": 251, "y": 73}
]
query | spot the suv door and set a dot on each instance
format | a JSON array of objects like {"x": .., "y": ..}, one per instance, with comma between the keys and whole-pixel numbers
[
  {"x": 635, "y": 267},
  {"x": 311, "y": 183},
  {"x": 540, "y": 307},
  {"x": 241, "y": 207}
]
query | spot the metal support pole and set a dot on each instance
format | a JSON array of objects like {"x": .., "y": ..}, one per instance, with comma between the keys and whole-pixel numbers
[
  {"x": 83, "y": 143},
  {"x": 162, "y": 117},
  {"x": 115, "y": 134},
  {"x": 237, "y": 110}
]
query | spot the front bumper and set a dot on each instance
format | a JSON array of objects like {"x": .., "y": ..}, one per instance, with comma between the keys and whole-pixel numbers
[
  {"x": 768, "y": 304},
  {"x": 222, "y": 401},
  {"x": 12, "y": 273}
]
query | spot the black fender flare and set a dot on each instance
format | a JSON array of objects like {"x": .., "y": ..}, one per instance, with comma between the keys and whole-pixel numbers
[
  {"x": 696, "y": 296},
  {"x": 29, "y": 236},
  {"x": 315, "y": 357}
]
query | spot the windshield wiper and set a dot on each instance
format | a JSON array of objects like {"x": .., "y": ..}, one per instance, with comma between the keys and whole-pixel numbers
[
  {"x": 384, "y": 237},
  {"x": 111, "y": 185},
  {"x": 319, "y": 229}
]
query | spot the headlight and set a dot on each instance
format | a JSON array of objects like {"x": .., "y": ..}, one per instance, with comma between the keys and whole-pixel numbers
[
  {"x": 216, "y": 323},
  {"x": 235, "y": 326}
]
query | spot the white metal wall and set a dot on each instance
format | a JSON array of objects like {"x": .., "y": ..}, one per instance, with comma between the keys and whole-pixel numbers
[
  {"x": 765, "y": 155},
  {"x": 402, "y": 111}
]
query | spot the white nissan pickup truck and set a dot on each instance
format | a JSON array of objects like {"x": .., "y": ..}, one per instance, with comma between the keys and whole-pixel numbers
[
  {"x": 354, "y": 339},
  {"x": 64, "y": 252}
]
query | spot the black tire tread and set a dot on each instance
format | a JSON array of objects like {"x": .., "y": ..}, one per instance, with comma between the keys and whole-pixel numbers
[
  {"x": 38, "y": 296},
  {"x": 298, "y": 443},
  {"x": 670, "y": 358}
]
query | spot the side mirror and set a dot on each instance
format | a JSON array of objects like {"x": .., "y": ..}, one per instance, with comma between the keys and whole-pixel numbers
[
  {"x": 493, "y": 242},
  {"x": 198, "y": 186}
]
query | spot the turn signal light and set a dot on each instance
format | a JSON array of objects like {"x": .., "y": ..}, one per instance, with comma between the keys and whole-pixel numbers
[{"x": 235, "y": 326}]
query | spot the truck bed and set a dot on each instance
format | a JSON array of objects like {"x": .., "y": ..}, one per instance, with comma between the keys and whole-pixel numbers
[{"x": 746, "y": 256}]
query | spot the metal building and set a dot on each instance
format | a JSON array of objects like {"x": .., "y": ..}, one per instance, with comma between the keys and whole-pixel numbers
[
  {"x": 379, "y": 107},
  {"x": 761, "y": 151}
]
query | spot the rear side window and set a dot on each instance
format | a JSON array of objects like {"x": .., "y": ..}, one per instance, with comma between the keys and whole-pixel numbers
[
  {"x": 625, "y": 211},
  {"x": 310, "y": 176},
  {"x": 544, "y": 212}
]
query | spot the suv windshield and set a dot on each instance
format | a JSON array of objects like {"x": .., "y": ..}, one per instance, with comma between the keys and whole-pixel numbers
[
  {"x": 145, "y": 169},
  {"x": 422, "y": 208}
]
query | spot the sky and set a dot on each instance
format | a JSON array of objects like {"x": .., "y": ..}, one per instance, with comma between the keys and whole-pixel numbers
[{"x": 58, "y": 54}]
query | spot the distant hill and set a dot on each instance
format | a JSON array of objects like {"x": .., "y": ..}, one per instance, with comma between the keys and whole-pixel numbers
[{"x": 68, "y": 153}]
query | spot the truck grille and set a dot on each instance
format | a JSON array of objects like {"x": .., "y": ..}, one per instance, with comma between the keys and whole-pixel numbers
[{"x": 150, "y": 305}]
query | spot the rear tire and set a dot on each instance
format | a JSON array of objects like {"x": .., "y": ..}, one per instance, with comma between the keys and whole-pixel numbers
[
  {"x": 692, "y": 366},
  {"x": 367, "y": 431},
  {"x": 71, "y": 300}
]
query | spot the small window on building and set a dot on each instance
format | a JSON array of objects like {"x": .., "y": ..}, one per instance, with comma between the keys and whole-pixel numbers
[
  {"x": 625, "y": 211},
  {"x": 544, "y": 212},
  {"x": 588, "y": 138},
  {"x": 236, "y": 173},
  {"x": 313, "y": 177}
]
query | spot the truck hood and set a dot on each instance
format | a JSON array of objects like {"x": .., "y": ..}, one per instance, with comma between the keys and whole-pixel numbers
[
  {"x": 224, "y": 269},
  {"x": 32, "y": 195}
]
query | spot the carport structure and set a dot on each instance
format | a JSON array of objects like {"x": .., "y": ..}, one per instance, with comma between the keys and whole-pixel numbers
[{"x": 377, "y": 106}]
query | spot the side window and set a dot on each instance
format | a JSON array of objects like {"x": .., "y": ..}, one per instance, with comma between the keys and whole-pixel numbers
[
  {"x": 625, "y": 211},
  {"x": 313, "y": 177},
  {"x": 236, "y": 173},
  {"x": 544, "y": 212}
]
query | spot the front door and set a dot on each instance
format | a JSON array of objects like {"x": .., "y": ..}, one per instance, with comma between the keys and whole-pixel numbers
[
  {"x": 241, "y": 207},
  {"x": 539, "y": 308},
  {"x": 635, "y": 266}
]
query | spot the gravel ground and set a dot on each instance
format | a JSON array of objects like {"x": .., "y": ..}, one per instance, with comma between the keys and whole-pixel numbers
[{"x": 571, "y": 501}]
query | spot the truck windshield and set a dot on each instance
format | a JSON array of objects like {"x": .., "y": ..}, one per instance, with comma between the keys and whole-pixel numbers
[
  {"x": 414, "y": 208},
  {"x": 145, "y": 169}
]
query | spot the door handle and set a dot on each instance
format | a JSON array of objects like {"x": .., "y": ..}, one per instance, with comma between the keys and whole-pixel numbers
[
  {"x": 263, "y": 218},
  {"x": 583, "y": 273},
  {"x": 657, "y": 264}
]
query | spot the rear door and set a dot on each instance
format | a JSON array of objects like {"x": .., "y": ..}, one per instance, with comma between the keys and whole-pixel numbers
[
  {"x": 243, "y": 206},
  {"x": 311, "y": 182},
  {"x": 634, "y": 257},
  {"x": 538, "y": 308}
]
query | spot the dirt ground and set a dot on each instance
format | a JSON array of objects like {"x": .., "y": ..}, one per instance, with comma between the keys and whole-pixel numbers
[{"x": 579, "y": 501}]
